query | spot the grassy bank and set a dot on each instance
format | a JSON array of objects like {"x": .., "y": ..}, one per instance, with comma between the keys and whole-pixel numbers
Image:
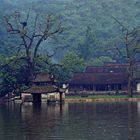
[{"x": 100, "y": 96}]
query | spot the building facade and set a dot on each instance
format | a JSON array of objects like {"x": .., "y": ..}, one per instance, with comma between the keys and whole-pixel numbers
[{"x": 110, "y": 77}]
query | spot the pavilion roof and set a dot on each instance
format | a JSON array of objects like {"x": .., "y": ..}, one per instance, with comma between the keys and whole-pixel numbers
[
  {"x": 43, "y": 77},
  {"x": 42, "y": 89}
]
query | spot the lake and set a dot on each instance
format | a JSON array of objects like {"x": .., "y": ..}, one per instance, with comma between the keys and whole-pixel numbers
[{"x": 71, "y": 121}]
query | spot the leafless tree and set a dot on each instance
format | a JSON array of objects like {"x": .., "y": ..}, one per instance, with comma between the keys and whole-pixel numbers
[
  {"x": 131, "y": 39},
  {"x": 32, "y": 31}
]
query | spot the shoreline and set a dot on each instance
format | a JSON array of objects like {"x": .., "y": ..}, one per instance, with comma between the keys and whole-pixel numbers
[
  {"x": 103, "y": 100},
  {"x": 88, "y": 99}
]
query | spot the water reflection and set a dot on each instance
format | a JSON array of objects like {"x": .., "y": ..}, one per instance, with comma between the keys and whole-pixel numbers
[{"x": 70, "y": 121}]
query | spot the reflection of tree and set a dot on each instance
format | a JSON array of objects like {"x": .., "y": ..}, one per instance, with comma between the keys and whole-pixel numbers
[{"x": 132, "y": 109}]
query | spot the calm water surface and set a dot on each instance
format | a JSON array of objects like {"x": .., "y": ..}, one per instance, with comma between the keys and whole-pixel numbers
[{"x": 71, "y": 121}]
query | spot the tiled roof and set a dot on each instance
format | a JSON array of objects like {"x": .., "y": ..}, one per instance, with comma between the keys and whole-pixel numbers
[
  {"x": 99, "y": 78},
  {"x": 43, "y": 77},
  {"x": 107, "y": 68},
  {"x": 94, "y": 69},
  {"x": 42, "y": 89},
  {"x": 116, "y": 64}
]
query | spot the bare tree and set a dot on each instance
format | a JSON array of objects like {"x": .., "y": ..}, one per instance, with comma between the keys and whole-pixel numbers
[
  {"x": 32, "y": 36},
  {"x": 132, "y": 48}
]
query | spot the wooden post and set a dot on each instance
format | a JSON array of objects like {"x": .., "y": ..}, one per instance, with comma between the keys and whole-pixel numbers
[
  {"x": 36, "y": 98},
  {"x": 61, "y": 97}
]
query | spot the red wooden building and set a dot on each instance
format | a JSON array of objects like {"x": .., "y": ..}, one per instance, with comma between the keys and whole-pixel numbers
[{"x": 110, "y": 77}]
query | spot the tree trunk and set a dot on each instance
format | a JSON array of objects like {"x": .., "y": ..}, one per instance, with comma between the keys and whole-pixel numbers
[
  {"x": 30, "y": 72},
  {"x": 129, "y": 90},
  {"x": 130, "y": 80}
]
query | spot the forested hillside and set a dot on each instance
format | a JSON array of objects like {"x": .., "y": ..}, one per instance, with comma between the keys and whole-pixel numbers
[{"x": 77, "y": 16}]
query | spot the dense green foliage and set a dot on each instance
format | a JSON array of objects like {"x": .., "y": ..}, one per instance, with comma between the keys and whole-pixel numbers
[
  {"x": 13, "y": 74},
  {"x": 89, "y": 31},
  {"x": 76, "y": 16}
]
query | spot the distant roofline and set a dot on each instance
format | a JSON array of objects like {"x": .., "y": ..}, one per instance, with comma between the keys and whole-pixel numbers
[
  {"x": 100, "y": 73},
  {"x": 95, "y": 66},
  {"x": 107, "y": 65},
  {"x": 43, "y": 73}
]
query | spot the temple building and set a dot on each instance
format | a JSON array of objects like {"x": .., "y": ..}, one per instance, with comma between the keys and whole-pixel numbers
[
  {"x": 110, "y": 77},
  {"x": 44, "y": 85}
]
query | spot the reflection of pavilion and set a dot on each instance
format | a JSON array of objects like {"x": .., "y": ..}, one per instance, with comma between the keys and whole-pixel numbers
[
  {"x": 43, "y": 111},
  {"x": 42, "y": 121},
  {"x": 43, "y": 84}
]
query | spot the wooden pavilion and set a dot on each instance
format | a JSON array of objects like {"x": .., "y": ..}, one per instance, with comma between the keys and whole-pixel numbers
[{"x": 44, "y": 83}]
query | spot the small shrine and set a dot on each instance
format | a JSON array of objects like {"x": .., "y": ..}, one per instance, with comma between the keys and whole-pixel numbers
[{"x": 43, "y": 84}]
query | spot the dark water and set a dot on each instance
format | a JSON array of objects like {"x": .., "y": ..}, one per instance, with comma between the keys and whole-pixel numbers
[{"x": 71, "y": 121}]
